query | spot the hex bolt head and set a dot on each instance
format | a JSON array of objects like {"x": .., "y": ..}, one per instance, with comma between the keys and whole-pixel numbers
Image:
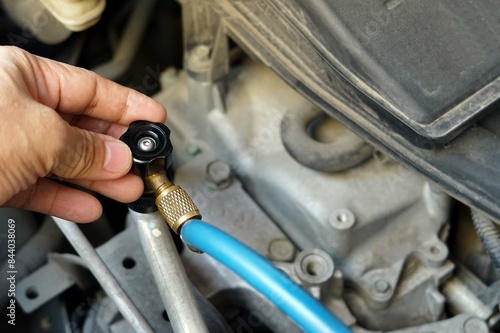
[
  {"x": 201, "y": 52},
  {"x": 218, "y": 175},
  {"x": 382, "y": 287},
  {"x": 281, "y": 249},
  {"x": 198, "y": 58}
]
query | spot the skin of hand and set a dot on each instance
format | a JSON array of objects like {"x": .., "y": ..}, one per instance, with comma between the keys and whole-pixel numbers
[{"x": 64, "y": 121}]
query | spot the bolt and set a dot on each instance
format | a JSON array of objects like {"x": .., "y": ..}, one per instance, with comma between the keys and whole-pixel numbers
[
  {"x": 434, "y": 250},
  {"x": 281, "y": 249},
  {"x": 218, "y": 175},
  {"x": 337, "y": 284},
  {"x": 201, "y": 52},
  {"x": 382, "y": 287},
  {"x": 475, "y": 325},
  {"x": 342, "y": 219},
  {"x": 146, "y": 144},
  {"x": 40, "y": 19}
]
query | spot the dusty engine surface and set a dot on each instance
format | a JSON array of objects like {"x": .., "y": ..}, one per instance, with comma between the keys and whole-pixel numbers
[{"x": 381, "y": 246}]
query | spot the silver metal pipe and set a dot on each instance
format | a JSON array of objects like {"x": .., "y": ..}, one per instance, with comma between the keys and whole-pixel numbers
[
  {"x": 171, "y": 278},
  {"x": 103, "y": 275},
  {"x": 462, "y": 300}
]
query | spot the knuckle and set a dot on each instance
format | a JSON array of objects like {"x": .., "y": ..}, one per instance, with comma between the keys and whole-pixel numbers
[{"x": 80, "y": 159}]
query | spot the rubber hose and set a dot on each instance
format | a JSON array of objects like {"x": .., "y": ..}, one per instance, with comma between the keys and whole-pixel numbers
[
  {"x": 347, "y": 151},
  {"x": 489, "y": 236},
  {"x": 32, "y": 255},
  {"x": 289, "y": 297},
  {"x": 129, "y": 43}
]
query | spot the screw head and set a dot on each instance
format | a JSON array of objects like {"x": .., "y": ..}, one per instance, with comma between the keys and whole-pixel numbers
[
  {"x": 281, "y": 249},
  {"x": 201, "y": 52},
  {"x": 218, "y": 174},
  {"x": 342, "y": 219},
  {"x": 382, "y": 286}
]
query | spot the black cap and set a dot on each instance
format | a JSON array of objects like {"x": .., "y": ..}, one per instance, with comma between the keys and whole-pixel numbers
[{"x": 152, "y": 153}]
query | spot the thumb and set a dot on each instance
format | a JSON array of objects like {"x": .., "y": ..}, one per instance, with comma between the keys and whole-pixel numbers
[{"x": 90, "y": 155}]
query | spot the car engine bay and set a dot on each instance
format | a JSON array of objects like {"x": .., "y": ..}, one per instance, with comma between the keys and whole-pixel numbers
[{"x": 371, "y": 179}]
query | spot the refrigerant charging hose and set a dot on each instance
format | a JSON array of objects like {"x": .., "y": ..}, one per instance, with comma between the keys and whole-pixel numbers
[{"x": 294, "y": 301}]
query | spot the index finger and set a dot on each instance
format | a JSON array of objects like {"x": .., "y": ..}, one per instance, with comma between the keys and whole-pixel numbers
[{"x": 75, "y": 90}]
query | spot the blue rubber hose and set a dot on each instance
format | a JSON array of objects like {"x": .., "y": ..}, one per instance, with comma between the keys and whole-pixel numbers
[{"x": 289, "y": 297}]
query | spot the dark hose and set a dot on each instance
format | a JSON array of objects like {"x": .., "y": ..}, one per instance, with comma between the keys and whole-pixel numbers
[
  {"x": 129, "y": 43},
  {"x": 347, "y": 151},
  {"x": 489, "y": 236}
]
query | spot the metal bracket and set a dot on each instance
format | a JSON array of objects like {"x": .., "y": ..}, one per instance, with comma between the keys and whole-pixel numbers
[{"x": 60, "y": 273}]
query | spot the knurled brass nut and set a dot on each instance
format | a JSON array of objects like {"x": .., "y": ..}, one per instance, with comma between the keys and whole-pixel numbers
[{"x": 176, "y": 206}]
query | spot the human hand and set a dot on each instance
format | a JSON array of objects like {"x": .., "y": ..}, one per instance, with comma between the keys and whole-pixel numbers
[{"x": 65, "y": 121}]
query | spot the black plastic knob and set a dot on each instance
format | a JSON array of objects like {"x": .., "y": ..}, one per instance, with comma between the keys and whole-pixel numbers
[
  {"x": 151, "y": 147},
  {"x": 152, "y": 153}
]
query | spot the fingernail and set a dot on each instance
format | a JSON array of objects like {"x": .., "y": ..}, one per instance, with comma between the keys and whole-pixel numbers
[{"x": 118, "y": 157}]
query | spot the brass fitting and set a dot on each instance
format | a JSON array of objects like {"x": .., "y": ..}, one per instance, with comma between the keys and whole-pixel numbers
[
  {"x": 152, "y": 152},
  {"x": 174, "y": 204}
]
